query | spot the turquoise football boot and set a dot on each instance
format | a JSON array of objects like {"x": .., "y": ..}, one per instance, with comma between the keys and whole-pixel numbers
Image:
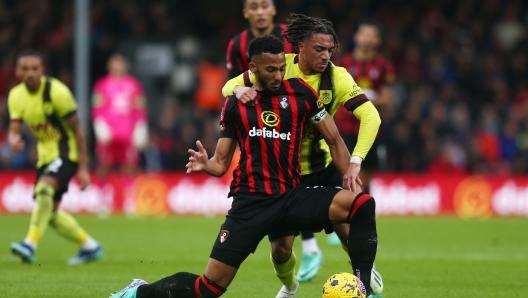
[
  {"x": 333, "y": 239},
  {"x": 310, "y": 265},
  {"x": 130, "y": 290}
]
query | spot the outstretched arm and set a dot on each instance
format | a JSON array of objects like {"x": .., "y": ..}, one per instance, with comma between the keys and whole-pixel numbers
[
  {"x": 340, "y": 153},
  {"x": 216, "y": 166},
  {"x": 15, "y": 136},
  {"x": 83, "y": 176}
]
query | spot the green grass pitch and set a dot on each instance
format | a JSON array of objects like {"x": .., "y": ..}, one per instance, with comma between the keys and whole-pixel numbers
[{"x": 417, "y": 257}]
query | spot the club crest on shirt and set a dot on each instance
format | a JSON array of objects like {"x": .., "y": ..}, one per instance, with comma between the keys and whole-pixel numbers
[
  {"x": 48, "y": 108},
  {"x": 223, "y": 235},
  {"x": 284, "y": 101},
  {"x": 325, "y": 96}
]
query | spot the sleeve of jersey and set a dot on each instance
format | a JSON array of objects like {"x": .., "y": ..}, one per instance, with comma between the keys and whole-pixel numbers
[
  {"x": 233, "y": 60},
  {"x": 227, "y": 126},
  {"x": 369, "y": 122},
  {"x": 13, "y": 107},
  {"x": 349, "y": 93},
  {"x": 62, "y": 99},
  {"x": 356, "y": 101},
  {"x": 246, "y": 79}
]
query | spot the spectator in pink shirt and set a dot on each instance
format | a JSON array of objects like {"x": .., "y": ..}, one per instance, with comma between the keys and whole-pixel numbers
[{"x": 119, "y": 119}]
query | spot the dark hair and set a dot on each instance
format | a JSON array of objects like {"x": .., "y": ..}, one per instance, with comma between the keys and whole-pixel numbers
[
  {"x": 372, "y": 23},
  {"x": 301, "y": 27},
  {"x": 28, "y": 52},
  {"x": 244, "y": 2},
  {"x": 265, "y": 44}
]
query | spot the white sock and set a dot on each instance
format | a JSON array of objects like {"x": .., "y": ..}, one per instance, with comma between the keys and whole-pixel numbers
[
  {"x": 89, "y": 244},
  {"x": 31, "y": 244},
  {"x": 309, "y": 246}
]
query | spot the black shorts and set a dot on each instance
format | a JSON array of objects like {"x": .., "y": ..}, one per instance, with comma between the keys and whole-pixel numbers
[
  {"x": 372, "y": 160},
  {"x": 251, "y": 218},
  {"x": 329, "y": 177},
  {"x": 61, "y": 169}
]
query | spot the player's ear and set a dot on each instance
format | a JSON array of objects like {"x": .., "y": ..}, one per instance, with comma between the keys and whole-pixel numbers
[
  {"x": 245, "y": 13},
  {"x": 355, "y": 37},
  {"x": 300, "y": 46},
  {"x": 252, "y": 67}
]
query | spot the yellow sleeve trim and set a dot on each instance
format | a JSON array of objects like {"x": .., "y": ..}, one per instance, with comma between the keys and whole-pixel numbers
[
  {"x": 231, "y": 84},
  {"x": 370, "y": 121}
]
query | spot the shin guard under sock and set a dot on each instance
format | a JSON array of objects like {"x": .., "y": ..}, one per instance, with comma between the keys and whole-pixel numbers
[
  {"x": 181, "y": 285},
  {"x": 68, "y": 227},
  {"x": 363, "y": 238},
  {"x": 286, "y": 271},
  {"x": 42, "y": 212}
]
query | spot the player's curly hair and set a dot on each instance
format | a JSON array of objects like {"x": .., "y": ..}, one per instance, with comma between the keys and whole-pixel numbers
[
  {"x": 265, "y": 44},
  {"x": 300, "y": 28}
]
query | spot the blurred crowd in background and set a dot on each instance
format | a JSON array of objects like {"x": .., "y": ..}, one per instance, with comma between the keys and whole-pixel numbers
[{"x": 461, "y": 91}]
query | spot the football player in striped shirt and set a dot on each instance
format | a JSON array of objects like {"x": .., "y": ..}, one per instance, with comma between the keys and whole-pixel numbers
[
  {"x": 374, "y": 74},
  {"x": 315, "y": 39},
  {"x": 259, "y": 14}
]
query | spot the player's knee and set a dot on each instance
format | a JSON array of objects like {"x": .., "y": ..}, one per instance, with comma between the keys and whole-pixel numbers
[
  {"x": 363, "y": 206},
  {"x": 44, "y": 193},
  {"x": 281, "y": 249},
  {"x": 50, "y": 180},
  {"x": 281, "y": 254}
]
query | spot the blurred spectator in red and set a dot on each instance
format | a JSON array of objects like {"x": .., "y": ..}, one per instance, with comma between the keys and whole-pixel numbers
[
  {"x": 374, "y": 74},
  {"x": 451, "y": 160},
  {"x": 486, "y": 142}
]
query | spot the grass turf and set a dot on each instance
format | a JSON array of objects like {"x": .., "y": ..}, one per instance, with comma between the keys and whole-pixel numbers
[{"x": 417, "y": 257}]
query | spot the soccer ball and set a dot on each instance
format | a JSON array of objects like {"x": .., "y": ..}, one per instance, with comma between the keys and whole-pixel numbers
[{"x": 344, "y": 285}]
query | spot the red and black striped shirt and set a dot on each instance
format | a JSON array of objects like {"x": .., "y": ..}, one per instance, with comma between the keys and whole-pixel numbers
[
  {"x": 269, "y": 135},
  {"x": 370, "y": 76},
  {"x": 237, "y": 55}
]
